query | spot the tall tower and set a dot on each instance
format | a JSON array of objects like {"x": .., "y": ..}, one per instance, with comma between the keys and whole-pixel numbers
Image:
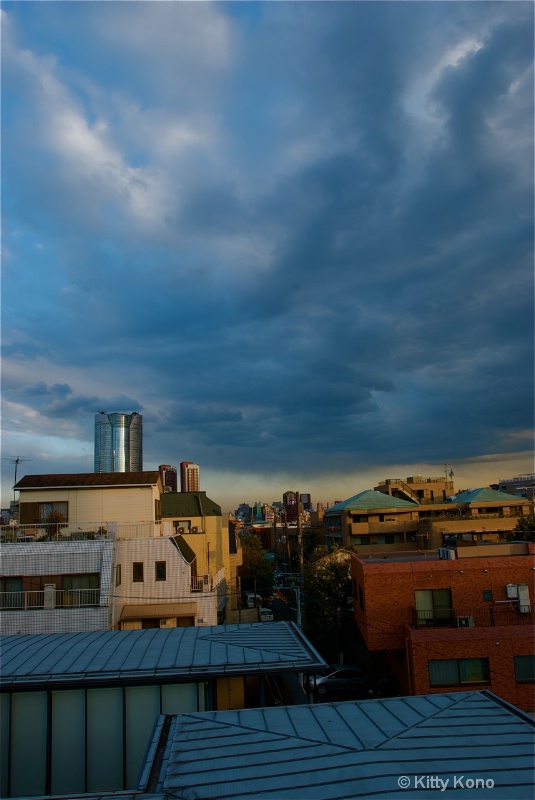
[
  {"x": 189, "y": 477},
  {"x": 118, "y": 442}
]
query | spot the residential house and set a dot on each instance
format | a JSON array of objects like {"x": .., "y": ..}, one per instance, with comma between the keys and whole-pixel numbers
[{"x": 450, "y": 619}]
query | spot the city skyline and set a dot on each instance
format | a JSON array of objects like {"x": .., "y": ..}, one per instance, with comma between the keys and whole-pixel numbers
[{"x": 297, "y": 237}]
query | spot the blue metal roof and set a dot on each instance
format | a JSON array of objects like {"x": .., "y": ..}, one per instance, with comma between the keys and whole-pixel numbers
[
  {"x": 371, "y": 500},
  {"x": 110, "y": 656},
  {"x": 349, "y": 750}
]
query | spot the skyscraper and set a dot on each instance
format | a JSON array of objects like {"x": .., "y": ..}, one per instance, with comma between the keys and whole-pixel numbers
[
  {"x": 118, "y": 442},
  {"x": 189, "y": 477}
]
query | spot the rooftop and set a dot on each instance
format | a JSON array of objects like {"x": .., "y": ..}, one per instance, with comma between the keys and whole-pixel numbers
[
  {"x": 175, "y": 653},
  {"x": 483, "y": 495},
  {"x": 370, "y": 499},
  {"x": 88, "y": 479},
  {"x": 188, "y": 504},
  {"x": 337, "y": 751}
]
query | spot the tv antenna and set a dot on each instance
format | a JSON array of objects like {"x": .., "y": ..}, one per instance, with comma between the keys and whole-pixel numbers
[{"x": 16, "y": 460}]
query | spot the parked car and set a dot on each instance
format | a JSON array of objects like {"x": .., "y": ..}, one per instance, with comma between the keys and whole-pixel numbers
[
  {"x": 341, "y": 682},
  {"x": 250, "y": 599},
  {"x": 266, "y": 615}
]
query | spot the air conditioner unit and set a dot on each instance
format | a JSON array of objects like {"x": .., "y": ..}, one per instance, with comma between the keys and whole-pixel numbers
[
  {"x": 167, "y": 623},
  {"x": 524, "y": 605},
  {"x": 465, "y": 622},
  {"x": 194, "y": 529},
  {"x": 511, "y": 591}
]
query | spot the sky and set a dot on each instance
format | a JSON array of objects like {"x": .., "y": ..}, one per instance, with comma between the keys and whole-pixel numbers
[{"x": 297, "y": 237}]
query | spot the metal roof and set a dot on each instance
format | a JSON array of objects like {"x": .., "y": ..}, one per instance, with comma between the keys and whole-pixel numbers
[
  {"x": 194, "y": 653},
  {"x": 484, "y": 495},
  {"x": 370, "y": 500},
  {"x": 339, "y": 751}
]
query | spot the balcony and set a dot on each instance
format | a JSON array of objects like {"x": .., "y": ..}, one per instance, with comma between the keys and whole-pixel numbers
[
  {"x": 79, "y": 531},
  {"x": 50, "y": 599},
  {"x": 487, "y": 617},
  {"x": 207, "y": 583}
]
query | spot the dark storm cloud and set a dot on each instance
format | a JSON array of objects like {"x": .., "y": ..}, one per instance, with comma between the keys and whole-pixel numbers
[{"x": 320, "y": 248}]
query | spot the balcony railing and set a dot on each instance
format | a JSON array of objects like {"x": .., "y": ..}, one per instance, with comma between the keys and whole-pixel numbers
[
  {"x": 49, "y": 599},
  {"x": 78, "y": 531},
  {"x": 487, "y": 617},
  {"x": 207, "y": 583}
]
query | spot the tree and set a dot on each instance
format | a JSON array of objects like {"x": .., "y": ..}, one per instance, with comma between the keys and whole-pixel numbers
[
  {"x": 256, "y": 571},
  {"x": 524, "y": 530},
  {"x": 329, "y": 614}
]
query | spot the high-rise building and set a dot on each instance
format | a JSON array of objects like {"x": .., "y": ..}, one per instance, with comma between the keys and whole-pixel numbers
[
  {"x": 189, "y": 477},
  {"x": 118, "y": 442},
  {"x": 168, "y": 475}
]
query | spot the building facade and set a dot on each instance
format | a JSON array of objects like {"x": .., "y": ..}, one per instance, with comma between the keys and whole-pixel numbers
[
  {"x": 452, "y": 619},
  {"x": 190, "y": 480},
  {"x": 118, "y": 442}
]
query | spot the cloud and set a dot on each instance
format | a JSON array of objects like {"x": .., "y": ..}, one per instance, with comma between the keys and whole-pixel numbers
[{"x": 295, "y": 236}]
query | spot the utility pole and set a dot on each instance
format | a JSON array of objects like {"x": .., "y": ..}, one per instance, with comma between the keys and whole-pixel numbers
[{"x": 301, "y": 556}]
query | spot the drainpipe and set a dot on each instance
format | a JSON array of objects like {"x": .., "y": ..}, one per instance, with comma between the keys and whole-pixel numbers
[{"x": 408, "y": 665}]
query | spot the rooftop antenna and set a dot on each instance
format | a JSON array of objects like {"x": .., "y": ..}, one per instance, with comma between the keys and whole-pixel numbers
[{"x": 16, "y": 460}]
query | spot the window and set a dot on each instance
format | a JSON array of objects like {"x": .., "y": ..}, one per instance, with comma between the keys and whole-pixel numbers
[
  {"x": 118, "y": 575},
  {"x": 487, "y": 595},
  {"x": 433, "y": 606},
  {"x": 54, "y": 512},
  {"x": 160, "y": 569},
  {"x": 458, "y": 671},
  {"x": 137, "y": 572},
  {"x": 525, "y": 669},
  {"x": 361, "y": 598}
]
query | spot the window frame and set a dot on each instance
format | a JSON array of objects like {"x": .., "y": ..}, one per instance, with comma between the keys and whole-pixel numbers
[
  {"x": 461, "y": 665},
  {"x": 528, "y": 668},
  {"x": 159, "y": 565},
  {"x": 138, "y": 572}
]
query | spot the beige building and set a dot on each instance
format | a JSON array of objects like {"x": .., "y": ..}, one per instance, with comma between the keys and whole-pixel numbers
[
  {"x": 94, "y": 551},
  {"x": 375, "y": 521},
  {"x": 417, "y": 489}
]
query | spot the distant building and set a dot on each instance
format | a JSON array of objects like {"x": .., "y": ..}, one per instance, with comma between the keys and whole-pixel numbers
[
  {"x": 169, "y": 477},
  {"x": 522, "y": 486},
  {"x": 118, "y": 442},
  {"x": 306, "y": 502},
  {"x": 189, "y": 477}
]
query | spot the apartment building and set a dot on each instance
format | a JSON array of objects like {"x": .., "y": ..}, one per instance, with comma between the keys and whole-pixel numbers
[
  {"x": 452, "y": 619},
  {"x": 92, "y": 552},
  {"x": 417, "y": 488},
  {"x": 377, "y": 521}
]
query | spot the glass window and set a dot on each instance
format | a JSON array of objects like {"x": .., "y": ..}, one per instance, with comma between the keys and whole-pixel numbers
[
  {"x": 443, "y": 672},
  {"x": 160, "y": 569},
  {"x": 118, "y": 575},
  {"x": 487, "y": 595},
  {"x": 453, "y": 672},
  {"x": 474, "y": 670},
  {"x": 137, "y": 572},
  {"x": 525, "y": 669},
  {"x": 54, "y": 512}
]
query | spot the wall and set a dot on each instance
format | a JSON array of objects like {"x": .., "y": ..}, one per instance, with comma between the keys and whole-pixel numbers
[
  {"x": 175, "y": 589},
  {"x": 126, "y": 504}
]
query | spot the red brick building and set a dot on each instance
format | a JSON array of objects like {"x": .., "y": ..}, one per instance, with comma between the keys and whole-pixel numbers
[{"x": 465, "y": 621}]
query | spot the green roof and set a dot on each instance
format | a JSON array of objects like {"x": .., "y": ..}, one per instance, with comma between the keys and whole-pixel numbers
[
  {"x": 370, "y": 500},
  {"x": 484, "y": 495},
  {"x": 188, "y": 504}
]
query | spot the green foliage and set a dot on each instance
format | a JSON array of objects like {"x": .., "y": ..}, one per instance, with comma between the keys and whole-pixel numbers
[
  {"x": 329, "y": 616},
  {"x": 256, "y": 570},
  {"x": 525, "y": 529}
]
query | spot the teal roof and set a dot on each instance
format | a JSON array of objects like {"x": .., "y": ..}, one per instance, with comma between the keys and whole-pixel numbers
[
  {"x": 370, "y": 500},
  {"x": 484, "y": 495},
  {"x": 188, "y": 504}
]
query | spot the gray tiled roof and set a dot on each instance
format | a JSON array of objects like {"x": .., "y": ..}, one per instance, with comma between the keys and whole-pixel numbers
[
  {"x": 88, "y": 479},
  {"x": 111, "y": 656},
  {"x": 354, "y": 749}
]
